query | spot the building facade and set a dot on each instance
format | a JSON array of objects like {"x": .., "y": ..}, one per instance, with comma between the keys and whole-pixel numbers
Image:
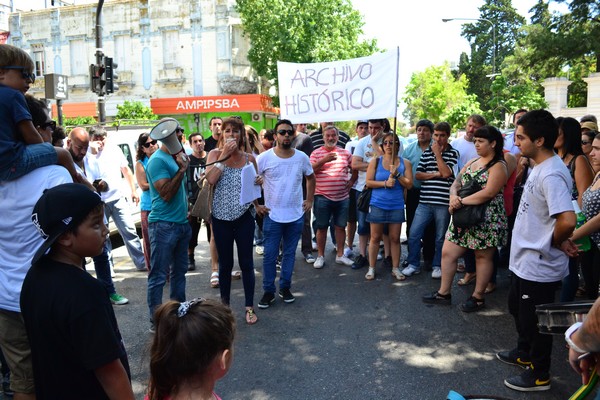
[{"x": 163, "y": 48}]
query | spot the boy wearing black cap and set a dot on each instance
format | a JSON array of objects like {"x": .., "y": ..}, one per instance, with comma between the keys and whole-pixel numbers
[{"x": 69, "y": 320}]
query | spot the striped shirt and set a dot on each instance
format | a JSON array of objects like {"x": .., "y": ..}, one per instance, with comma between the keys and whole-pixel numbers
[
  {"x": 332, "y": 178},
  {"x": 437, "y": 190}
]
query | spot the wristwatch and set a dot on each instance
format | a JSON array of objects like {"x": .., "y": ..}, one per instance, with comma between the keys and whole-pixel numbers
[{"x": 568, "y": 334}]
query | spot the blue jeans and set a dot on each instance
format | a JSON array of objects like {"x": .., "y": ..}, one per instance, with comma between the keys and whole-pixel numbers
[
  {"x": 288, "y": 234},
  {"x": 225, "y": 234},
  {"x": 363, "y": 227},
  {"x": 120, "y": 212},
  {"x": 168, "y": 248},
  {"x": 424, "y": 214}
]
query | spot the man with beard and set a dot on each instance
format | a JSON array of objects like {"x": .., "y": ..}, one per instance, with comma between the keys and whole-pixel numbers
[
  {"x": 282, "y": 169},
  {"x": 78, "y": 144}
]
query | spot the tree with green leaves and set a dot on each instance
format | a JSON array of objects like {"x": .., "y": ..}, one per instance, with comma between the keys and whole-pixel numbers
[
  {"x": 133, "y": 112},
  {"x": 438, "y": 95},
  {"x": 301, "y": 31},
  {"x": 501, "y": 18}
]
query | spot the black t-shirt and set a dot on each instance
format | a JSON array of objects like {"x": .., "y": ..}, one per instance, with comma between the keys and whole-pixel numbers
[
  {"x": 195, "y": 170},
  {"x": 210, "y": 143},
  {"x": 318, "y": 141},
  {"x": 72, "y": 331}
]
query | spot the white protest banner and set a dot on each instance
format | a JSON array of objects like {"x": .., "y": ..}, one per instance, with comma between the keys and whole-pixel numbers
[{"x": 360, "y": 88}]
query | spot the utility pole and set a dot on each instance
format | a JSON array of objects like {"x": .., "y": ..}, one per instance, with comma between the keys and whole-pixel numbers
[{"x": 99, "y": 63}]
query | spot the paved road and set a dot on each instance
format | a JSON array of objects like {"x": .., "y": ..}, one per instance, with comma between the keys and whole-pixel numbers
[{"x": 346, "y": 338}]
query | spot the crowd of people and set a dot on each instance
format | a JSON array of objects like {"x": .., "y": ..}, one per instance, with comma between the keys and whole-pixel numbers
[{"x": 537, "y": 188}]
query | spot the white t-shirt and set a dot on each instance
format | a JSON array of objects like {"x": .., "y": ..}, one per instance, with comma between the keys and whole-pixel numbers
[
  {"x": 107, "y": 165},
  {"x": 509, "y": 143},
  {"x": 466, "y": 150},
  {"x": 547, "y": 193},
  {"x": 282, "y": 184},
  {"x": 351, "y": 146},
  {"x": 364, "y": 150},
  {"x": 19, "y": 238}
]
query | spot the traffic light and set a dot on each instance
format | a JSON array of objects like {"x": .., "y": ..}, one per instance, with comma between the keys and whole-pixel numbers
[
  {"x": 97, "y": 78},
  {"x": 111, "y": 75}
]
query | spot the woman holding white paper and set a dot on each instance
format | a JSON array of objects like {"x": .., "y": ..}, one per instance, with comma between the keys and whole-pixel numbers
[{"x": 232, "y": 220}]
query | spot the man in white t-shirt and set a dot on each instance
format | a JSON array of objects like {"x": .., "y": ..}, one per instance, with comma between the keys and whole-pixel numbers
[
  {"x": 466, "y": 145},
  {"x": 361, "y": 132},
  {"x": 282, "y": 169},
  {"x": 104, "y": 165},
  {"x": 540, "y": 248}
]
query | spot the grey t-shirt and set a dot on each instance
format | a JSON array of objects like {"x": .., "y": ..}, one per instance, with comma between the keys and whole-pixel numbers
[{"x": 547, "y": 193}]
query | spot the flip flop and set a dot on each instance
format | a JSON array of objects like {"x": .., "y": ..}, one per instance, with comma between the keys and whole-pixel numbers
[
  {"x": 467, "y": 280},
  {"x": 236, "y": 274},
  {"x": 214, "y": 280},
  {"x": 251, "y": 317}
]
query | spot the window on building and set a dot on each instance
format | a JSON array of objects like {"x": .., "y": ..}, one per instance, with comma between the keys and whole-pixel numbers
[
  {"x": 39, "y": 59},
  {"x": 79, "y": 61},
  {"x": 170, "y": 49},
  {"x": 123, "y": 52}
]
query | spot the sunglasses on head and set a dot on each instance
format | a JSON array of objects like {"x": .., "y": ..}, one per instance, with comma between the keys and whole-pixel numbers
[
  {"x": 49, "y": 124},
  {"x": 285, "y": 131},
  {"x": 24, "y": 74},
  {"x": 148, "y": 144}
]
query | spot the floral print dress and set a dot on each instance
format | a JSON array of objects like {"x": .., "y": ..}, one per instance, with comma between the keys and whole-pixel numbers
[{"x": 490, "y": 233}]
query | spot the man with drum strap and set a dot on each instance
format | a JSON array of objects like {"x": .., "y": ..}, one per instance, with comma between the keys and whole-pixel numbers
[{"x": 540, "y": 248}]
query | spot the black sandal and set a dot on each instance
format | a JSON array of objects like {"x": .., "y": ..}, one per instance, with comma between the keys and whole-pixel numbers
[
  {"x": 436, "y": 298},
  {"x": 472, "y": 304}
]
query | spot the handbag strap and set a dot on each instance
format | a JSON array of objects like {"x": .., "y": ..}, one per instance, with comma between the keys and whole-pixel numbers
[{"x": 482, "y": 170}]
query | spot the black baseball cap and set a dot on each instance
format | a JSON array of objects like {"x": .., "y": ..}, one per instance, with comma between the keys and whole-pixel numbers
[{"x": 59, "y": 208}]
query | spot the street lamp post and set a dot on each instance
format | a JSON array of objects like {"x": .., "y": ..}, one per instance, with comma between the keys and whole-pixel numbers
[{"x": 493, "y": 37}]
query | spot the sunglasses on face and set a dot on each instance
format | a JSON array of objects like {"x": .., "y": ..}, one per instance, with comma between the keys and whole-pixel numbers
[
  {"x": 285, "y": 131},
  {"x": 24, "y": 74},
  {"x": 584, "y": 143},
  {"x": 388, "y": 143},
  {"x": 49, "y": 124},
  {"x": 148, "y": 144}
]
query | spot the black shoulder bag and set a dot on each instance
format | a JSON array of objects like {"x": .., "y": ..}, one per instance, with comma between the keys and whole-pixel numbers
[
  {"x": 470, "y": 215},
  {"x": 364, "y": 198}
]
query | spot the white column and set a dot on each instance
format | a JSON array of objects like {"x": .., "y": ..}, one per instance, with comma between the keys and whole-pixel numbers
[
  {"x": 555, "y": 93},
  {"x": 593, "y": 98}
]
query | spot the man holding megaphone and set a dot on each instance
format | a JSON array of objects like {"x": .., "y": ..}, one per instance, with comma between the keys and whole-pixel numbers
[{"x": 168, "y": 226}]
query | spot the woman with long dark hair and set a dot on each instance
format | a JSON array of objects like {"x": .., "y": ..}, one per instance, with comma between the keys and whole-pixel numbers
[
  {"x": 489, "y": 169},
  {"x": 146, "y": 146},
  {"x": 568, "y": 147}
]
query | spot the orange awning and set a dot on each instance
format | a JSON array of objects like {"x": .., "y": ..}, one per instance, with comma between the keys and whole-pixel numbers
[{"x": 73, "y": 110}]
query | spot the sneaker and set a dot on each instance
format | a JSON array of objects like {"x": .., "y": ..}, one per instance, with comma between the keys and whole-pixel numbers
[
  {"x": 260, "y": 250},
  {"x": 528, "y": 381},
  {"x": 191, "y": 263},
  {"x": 380, "y": 256},
  {"x": 348, "y": 252},
  {"x": 436, "y": 273},
  {"x": 387, "y": 262},
  {"x": 319, "y": 263},
  {"x": 344, "y": 261},
  {"x": 118, "y": 299},
  {"x": 514, "y": 357},
  {"x": 314, "y": 246},
  {"x": 267, "y": 299},
  {"x": 286, "y": 295},
  {"x": 309, "y": 258},
  {"x": 411, "y": 270},
  {"x": 359, "y": 262}
]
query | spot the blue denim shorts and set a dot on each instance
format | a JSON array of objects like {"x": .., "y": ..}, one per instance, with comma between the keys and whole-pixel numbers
[
  {"x": 324, "y": 209},
  {"x": 34, "y": 156},
  {"x": 380, "y": 216}
]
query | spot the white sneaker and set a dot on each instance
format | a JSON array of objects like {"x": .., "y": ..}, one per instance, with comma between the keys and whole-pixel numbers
[
  {"x": 314, "y": 246},
  {"x": 379, "y": 256},
  {"x": 260, "y": 250},
  {"x": 343, "y": 260},
  {"x": 436, "y": 273},
  {"x": 319, "y": 262},
  {"x": 411, "y": 270},
  {"x": 348, "y": 252}
]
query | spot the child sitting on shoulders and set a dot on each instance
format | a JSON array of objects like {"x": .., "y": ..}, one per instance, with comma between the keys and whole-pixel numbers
[
  {"x": 22, "y": 148},
  {"x": 191, "y": 351}
]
